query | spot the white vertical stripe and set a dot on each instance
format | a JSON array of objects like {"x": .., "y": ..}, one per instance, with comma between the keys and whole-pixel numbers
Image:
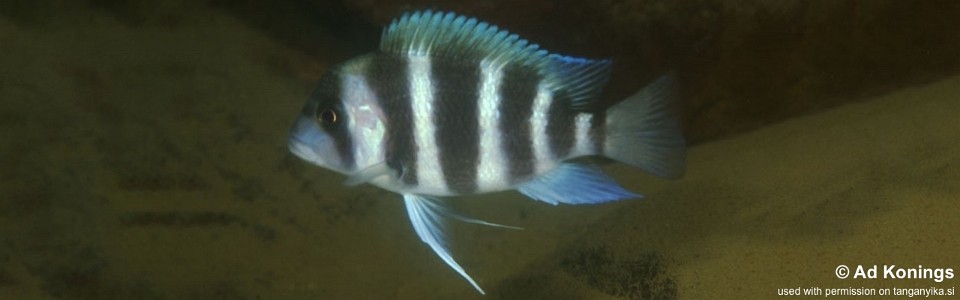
[
  {"x": 538, "y": 127},
  {"x": 584, "y": 145},
  {"x": 429, "y": 174},
  {"x": 491, "y": 172},
  {"x": 365, "y": 123}
]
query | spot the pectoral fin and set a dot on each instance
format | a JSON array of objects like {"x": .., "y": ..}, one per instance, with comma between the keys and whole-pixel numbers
[{"x": 370, "y": 173}]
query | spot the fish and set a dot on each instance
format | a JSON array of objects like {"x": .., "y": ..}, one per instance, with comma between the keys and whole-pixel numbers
[{"x": 452, "y": 106}]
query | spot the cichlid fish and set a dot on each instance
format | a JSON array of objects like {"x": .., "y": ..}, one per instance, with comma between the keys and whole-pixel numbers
[{"x": 451, "y": 105}]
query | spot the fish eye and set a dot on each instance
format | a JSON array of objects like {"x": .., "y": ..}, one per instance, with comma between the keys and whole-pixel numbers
[{"x": 327, "y": 116}]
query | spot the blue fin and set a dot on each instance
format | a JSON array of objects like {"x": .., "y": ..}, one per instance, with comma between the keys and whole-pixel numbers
[
  {"x": 581, "y": 80},
  {"x": 445, "y": 34},
  {"x": 427, "y": 216},
  {"x": 643, "y": 131},
  {"x": 448, "y": 35},
  {"x": 574, "y": 183}
]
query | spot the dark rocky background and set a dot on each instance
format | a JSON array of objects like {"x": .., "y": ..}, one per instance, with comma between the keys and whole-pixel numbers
[{"x": 744, "y": 64}]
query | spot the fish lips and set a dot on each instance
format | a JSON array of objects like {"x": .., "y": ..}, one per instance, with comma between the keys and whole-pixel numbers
[{"x": 311, "y": 144}]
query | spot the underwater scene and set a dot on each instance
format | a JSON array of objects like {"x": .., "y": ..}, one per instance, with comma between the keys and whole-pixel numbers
[{"x": 608, "y": 149}]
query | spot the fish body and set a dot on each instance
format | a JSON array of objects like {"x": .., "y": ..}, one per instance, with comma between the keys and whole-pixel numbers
[{"x": 452, "y": 106}]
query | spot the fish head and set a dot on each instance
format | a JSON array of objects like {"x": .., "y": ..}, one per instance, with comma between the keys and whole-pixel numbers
[{"x": 341, "y": 127}]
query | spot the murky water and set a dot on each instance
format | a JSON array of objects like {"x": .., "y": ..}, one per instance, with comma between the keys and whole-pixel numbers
[{"x": 144, "y": 156}]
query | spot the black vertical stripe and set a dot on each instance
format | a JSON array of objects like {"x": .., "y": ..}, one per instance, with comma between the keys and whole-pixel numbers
[
  {"x": 328, "y": 96},
  {"x": 518, "y": 89},
  {"x": 561, "y": 126},
  {"x": 388, "y": 78},
  {"x": 456, "y": 95},
  {"x": 598, "y": 131},
  {"x": 339, "y": 132}
]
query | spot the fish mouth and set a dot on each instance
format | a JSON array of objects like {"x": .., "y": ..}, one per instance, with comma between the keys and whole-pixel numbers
[
  {"x": 295, "y": 142},
  {"x": 302, "y": 149},
  {"x": 302, "y": 139}
]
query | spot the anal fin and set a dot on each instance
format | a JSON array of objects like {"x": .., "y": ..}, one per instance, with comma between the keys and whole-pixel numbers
[{"x": 575, "y": 183}]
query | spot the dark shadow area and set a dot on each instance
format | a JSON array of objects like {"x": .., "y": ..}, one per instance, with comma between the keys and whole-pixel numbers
[{"x": 743, "y": 64}]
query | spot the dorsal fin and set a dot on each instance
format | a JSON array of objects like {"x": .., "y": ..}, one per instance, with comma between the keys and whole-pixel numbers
[
  {"x": 439, "y": 34},
  {"x": 580, "y": 80},
  {"x": 448, "y": 35}
]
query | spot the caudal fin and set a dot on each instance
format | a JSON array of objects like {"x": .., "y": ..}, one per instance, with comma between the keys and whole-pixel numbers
[{"x": 644, "y": 131}]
